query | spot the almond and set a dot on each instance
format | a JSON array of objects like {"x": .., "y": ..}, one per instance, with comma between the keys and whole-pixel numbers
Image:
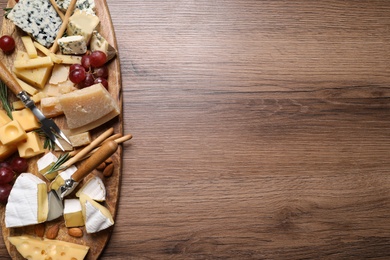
[
  {"x": 75, "y": 232},
  {"x": 107, "y": 172},
  {"x": 39, "y": 229},
  {"x": 108, "y": 160},
  {"x": 52, "y": 232},
  {"x": 101, "y": 166}
]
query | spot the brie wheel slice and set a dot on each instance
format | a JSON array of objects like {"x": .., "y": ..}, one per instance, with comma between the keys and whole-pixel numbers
[
  {"x": 72, "y": 213},
  {"x": 27, "y": 202},
  {"x": 96, "y": 216},
  {"x": 94, "y": 188}
]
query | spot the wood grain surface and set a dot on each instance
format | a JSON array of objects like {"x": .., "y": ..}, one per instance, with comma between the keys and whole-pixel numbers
[{"x": 260, "y": 130}]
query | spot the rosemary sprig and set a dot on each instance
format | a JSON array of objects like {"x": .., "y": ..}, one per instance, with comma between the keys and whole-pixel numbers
[
  {"x": 47, "y": 143},
  {"x": 4, "y": 99},
  {"x": 57, "y": 165}
]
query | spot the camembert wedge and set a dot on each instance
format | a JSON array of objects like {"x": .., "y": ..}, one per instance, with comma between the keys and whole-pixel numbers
[
  {"x": 27, "y": 202},
  {"x": 96, "y": 216}
]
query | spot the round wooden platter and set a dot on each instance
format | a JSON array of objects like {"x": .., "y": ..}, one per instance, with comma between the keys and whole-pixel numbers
[{"x": 97, "y": 241}]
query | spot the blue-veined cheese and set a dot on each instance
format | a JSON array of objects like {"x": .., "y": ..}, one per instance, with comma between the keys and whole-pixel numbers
[
  {"x": 82, "y": 23},
  {"x": 99, "y": 43},
  {"x": 74, "y": 44},
  {"x": 85, "y": 5},
  {"x": 37, "y": 18}
]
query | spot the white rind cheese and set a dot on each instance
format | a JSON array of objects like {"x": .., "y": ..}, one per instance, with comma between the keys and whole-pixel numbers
[
  {"x": 96, "y": 216},
  {"x": 94, "y": 188},
  {"x": 37, "y": 18},
  {"x": 74, "y": 44},
  {"x": 27, "y": 202}
]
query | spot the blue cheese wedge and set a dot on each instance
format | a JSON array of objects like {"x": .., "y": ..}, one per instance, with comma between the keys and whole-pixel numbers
[
  {"x": 74, "y": 44},
  {"x": 85, "y": 5},
  {"x": 27, "y": 202},
  {"x": 38, "y": 18},
  {"x": 99, "y": 43}
]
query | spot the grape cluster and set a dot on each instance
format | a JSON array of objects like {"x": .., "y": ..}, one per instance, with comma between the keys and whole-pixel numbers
[
  {"x": 92, "y": 70},
  {"x": 8, "y": 172}
]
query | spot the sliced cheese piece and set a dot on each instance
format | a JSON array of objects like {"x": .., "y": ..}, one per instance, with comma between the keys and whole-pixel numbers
[
  {"x": 45, "y": 163},
  {"x": 31, "y": 147},
  {"x": 82, "y": 23},
  {"x": 36, "y": 98},
  {"x": 47, "y": 52},
  {"x": 29, "y": 46},
  {"x": 27, "y": 87},
  {"x": 51, "y": 107},
  {"x": 59, "y": 74},
  {"x": 80, "y": 139},
  {"x": 12, "y": 133},
  {"x": 27, "y": 203},
  {"x": 69, "y": 59},
  {"x": 96, "y": 216},
  {"x": 73, "y": 214},
  {"x": 38, "y": 62},
  {"x": 84, "y": 106},
  {"x": 34, "y": 248},
  {"x": 26, "y": 119},
  {"x": 74, "y": 44},
  {"x": 36, "y": 77},
  {"x": 93, "y": 188}
]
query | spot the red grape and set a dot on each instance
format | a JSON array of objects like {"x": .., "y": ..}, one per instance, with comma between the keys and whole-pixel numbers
[
  {"x": 19, "y": 165},
  {"x": 7, "y": 43},
  {"x": 76, "y": 66},
  {"x": 103, "y": 81},
  {"x": 86, "y": 61},
  {"x": 77, "y": 75},
  {"x": 101, "y": 72},
  {"x": 6, "y": 175},
  {"x": 5, "y": 164},
  {"x": 5, "y": 190},
  {"x": 98, "y": 58},
  {"x": 88, "y": 81}
]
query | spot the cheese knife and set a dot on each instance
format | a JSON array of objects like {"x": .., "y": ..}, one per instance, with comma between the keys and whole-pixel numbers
[
  {"x": 56, "y": 195},
  {"x": 48, "y": 126}
]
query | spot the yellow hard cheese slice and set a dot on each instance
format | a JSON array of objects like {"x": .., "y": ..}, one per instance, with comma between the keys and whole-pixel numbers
[
  {"x": 96, "y": 216},
  {"x": 42, "y": 249},
  {"x": 27, "y": 202},
  {"x": 85, "y": 106}
]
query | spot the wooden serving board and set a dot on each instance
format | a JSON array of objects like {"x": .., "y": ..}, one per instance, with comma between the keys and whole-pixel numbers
[{"x": 96, "y": 241}]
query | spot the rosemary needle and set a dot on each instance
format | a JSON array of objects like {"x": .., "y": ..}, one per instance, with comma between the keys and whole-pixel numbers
[{"x": 4, "y": 99}]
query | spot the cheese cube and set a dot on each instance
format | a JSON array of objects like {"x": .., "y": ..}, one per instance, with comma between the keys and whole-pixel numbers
[
  {"x": 32, "y": 146},
  {"x": 26, "y": 119},
  {"x": 45, "y": 163},
  {"x": 35, "y": 248},
  {"x": 51, "y": 107},
  {"x": 73, "y": 214},
  {"x": 74, "y": 44},
  {"x": 29, "y": 46},
  {"x": 12, "y": 133},
  {"x": 82, "y": 23},
  {"x": 27, "y": 202},
  {"x": 4, "y": 118},
  {"x": 7, "y": 150},
  {"x": 85, "y": 106},
  {"x": 96, "y": 216}
]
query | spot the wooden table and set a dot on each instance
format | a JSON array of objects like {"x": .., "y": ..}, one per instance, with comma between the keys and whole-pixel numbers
[{"x": 261, "y": 130}]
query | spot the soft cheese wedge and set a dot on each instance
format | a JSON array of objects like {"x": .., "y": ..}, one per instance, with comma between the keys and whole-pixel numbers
[
  {"x": 27, "y": 202},
  {"x": 45, "y": 163},
  {"x": 42, "y": 249},
  {"x": 94, "y": 188},
  {"x": 84, "y": 108},
  {"x": 73, "y": 214},
  {"x": 61, "y": 177},
  {"x": 96, "y": 216}
]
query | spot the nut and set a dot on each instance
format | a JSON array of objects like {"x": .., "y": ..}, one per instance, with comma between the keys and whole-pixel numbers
[
  {"x": 39, "y": 229},
  {"x": 52, "y": 232},
  {"x": 108, "y": 160},
  {"x": 75, "y": 232},
  {"x": 101, "y": 166},
  {"x": 107, "y": 172}
]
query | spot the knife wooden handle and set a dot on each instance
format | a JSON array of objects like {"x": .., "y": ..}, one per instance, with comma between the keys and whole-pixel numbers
[
  {"x": 104, "y": 152},
  {"x": 9, "y": 80}
]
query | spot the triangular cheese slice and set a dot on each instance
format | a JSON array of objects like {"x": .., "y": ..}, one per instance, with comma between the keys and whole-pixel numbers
[
  {"x": 27, "y": 202},
  {"x": 96, "y": 216},
  {"x": 94, "y": 188},
  {"x": 35, "y": 248}
]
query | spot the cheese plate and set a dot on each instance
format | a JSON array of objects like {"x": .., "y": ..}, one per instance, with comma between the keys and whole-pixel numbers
[{"x": 96, "y": 241}]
